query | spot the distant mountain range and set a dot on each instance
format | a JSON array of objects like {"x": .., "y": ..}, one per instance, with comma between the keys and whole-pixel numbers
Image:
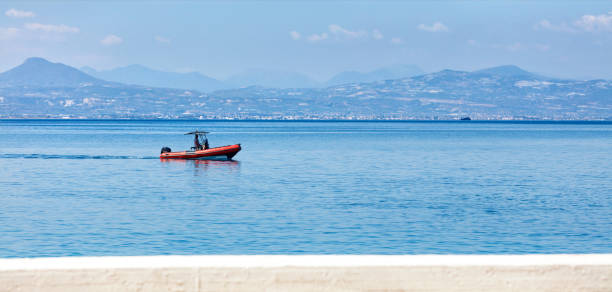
[
  {"x": 387, "y": 73},
  {"x": 41, "y": 89},
  {"x": 40, "y": 72},
  {"x": 141, "y": 75},
  {"x": 267, "y": 78}
]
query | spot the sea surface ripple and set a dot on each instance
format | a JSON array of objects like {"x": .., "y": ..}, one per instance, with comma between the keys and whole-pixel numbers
[{"x": 90, "y": 188}]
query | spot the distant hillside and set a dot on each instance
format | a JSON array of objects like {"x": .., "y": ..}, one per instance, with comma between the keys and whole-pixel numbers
[
  {"x": 40, "y": 72},
  {"x": 141, "y": 75},
  {"x": 275, "y": 79},
  {"x": 41, "y": 89},
  {"x": 508, "y": 71},
  {"x": 387, "y": 73},
  {"x": 506, "y": 92}
]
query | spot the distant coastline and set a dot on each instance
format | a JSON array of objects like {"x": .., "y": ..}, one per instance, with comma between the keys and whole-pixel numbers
[
  {"x": 42, "y": 89},
  {"x": 579, "y": 121}
]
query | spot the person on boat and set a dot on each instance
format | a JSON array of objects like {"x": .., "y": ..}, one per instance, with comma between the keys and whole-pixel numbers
[
  {"x": 196, "y": 143},
  {"x": 206, "y": 144}
]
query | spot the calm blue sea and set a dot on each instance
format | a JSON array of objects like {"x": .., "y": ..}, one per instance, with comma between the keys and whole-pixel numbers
[{"x": 89, "y": 188}]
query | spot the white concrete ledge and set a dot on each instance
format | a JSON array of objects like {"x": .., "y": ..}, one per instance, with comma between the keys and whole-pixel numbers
[{"x": 310, "y": 273}]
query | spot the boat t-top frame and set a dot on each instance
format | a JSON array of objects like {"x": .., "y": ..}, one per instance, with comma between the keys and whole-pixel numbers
[
  {"x": 201, "y": 135},
  {"x": 197, "y": 133}
]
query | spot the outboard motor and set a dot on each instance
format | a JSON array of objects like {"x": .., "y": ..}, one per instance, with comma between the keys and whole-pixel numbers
[{"x": 166, "y": 149}]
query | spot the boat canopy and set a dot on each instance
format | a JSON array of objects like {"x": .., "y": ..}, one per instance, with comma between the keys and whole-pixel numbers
[{"x": 197, "y": 133}]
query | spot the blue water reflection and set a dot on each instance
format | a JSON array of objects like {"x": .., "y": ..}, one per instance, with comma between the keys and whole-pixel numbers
[{"x": 99, "y": 188}]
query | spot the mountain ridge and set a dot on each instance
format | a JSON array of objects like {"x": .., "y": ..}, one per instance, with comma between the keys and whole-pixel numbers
[
  {"x": 495, "y": 93},
  {"x": 142, "y": 75},
  {"x": 137, "y": 74},
  {"x": 385, "y": 73},
  {"x": 271, "y": 78},
  {"x": 507, "y": 70},
  {"x": 37, "y": 71}
]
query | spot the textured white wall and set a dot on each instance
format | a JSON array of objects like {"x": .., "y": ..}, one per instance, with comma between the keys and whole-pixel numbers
[{"x": 310, "y": 273}]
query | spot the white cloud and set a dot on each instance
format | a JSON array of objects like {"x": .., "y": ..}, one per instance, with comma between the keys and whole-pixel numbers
[
  {"x": 317, "y": 37},
  {"x": 338, "y": 32},
  {"x": 345, "y": 33},
  {"x": 8, "y": 33},
  {"x": 396, "y": 40},
  {"x": 435, "y": 27},
  {"x": 377, "y": 35},
  {"x": 602, "y": 22},
  {"x": 295, "y": 35},
  {"x": 543, "y": 24},
  {"x": 588, "y": 23},
  {"x": 62, "y": 28},
  {"x": 19, "y": 13},
  {"x": 111, "y": 39},
  {"x": 161, "y": 39},
  {"x": 547, "y": 25}
]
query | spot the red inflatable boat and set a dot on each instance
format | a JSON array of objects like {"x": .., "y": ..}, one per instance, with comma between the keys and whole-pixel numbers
[{"x": 201, "y": 150}]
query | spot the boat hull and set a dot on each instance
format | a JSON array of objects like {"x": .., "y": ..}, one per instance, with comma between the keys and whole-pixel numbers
[{"x": 217, "y": 153}]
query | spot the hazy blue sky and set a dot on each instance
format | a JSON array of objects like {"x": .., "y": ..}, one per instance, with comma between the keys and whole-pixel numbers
[{"x": 565, "y": 39}]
